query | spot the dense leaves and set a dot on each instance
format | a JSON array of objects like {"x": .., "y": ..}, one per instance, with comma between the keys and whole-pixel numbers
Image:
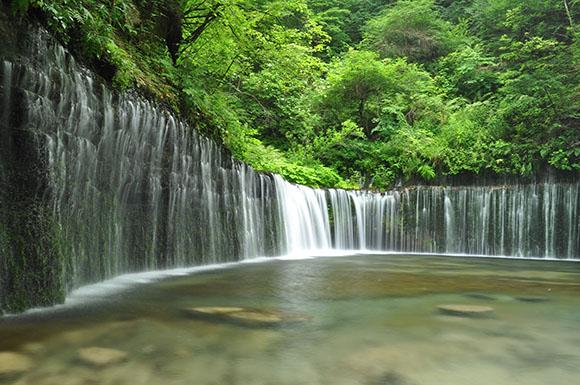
[
  {"x": 350, "y": 93},
  {"x": 412, "y": 29}
]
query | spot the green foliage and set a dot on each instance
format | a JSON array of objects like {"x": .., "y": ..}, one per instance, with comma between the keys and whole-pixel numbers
[
  {"x": 349, "y": 93},
  {"x": 469, "y": 73},
  {"x": 354, "y": 88},
  {"x": 520, "y": 18},
  {"x": 267, "y": 158},
  {"x": 273, "y": 95},
  {"x": 344, "y": 21},
  {"x": 463, "y": 140},
  {"x": 411, "y": 29},
  {"x": 126, "y": 70}
]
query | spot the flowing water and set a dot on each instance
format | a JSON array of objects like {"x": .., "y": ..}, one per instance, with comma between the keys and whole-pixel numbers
[
  {"x": 370, "y": 320},
  {"x": 121, "y": 185}
]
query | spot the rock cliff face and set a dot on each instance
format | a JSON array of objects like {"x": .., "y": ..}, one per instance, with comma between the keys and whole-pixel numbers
[{"x": 30, "y": 268}]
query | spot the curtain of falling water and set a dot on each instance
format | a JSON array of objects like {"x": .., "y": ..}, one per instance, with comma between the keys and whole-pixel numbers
[
  {"x": 133, "y": 188},
  {"x": 525, "y": 220}
]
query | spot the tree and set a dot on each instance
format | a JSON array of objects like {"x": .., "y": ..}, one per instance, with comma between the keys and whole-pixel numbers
[
  {"x": 412, "y": 29},
  {"x": 344, "y": 21},
  {"x": 354, "y": 89},
  {"x": 378, "y": 95},
  {"x": 520, "y": 18}
]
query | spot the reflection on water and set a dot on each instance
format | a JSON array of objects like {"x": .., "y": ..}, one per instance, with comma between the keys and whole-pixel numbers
[{"x": 371, "y": 320}]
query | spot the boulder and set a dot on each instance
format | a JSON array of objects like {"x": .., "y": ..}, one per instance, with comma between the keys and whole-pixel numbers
[
  {"x": 101, "y": 357},
  {"x": 472, "y": 311},
  {"x": 245, "y": 316},
  {"x": 13, "y": 364}
]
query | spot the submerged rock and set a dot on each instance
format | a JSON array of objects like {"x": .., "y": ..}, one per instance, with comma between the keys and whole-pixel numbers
[
  {"x": 532, "y": 299},
  {"x": 101, "y": 357},
  {"x": 466, "y": 310},
  {"x": 216, "y": 310},
  {"x": 245, "y": 316},
  {"x": 482, "y": 296},
  {"x": 13, "y": 364},
  {"x": 390, "y": 378}
]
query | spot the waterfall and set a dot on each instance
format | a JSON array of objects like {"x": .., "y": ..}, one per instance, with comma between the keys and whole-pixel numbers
[
  {"x": 449, "y": 226},
  {"x": 304, "y": 218},
  {"x": 118, "y": 184}
]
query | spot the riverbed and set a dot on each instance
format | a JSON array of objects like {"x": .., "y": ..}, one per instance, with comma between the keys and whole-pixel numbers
[{"x": 362, "y": 319}]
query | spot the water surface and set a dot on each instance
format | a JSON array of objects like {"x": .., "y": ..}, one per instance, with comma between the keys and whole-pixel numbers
[{"x": 372, "y": 320}]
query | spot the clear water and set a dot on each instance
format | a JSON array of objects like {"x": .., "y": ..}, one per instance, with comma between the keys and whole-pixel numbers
[{"x": 373, "y": 321}]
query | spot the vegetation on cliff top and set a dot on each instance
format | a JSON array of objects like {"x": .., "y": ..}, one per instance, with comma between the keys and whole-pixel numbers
[{"x": 348, "y": 93}]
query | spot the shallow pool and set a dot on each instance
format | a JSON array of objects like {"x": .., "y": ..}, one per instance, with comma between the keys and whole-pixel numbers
[{"x": 365, "y": 319}]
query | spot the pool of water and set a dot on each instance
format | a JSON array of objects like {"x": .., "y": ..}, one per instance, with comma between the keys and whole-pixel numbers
[{"x": 369, "y": 320}]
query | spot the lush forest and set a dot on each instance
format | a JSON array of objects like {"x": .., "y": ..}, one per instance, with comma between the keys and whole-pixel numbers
[{"x": 351, "y": 93}]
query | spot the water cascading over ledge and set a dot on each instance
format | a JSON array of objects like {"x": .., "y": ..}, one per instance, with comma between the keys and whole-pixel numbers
[
  {"x": 95, "y": 184},
  {"x": 534, "y": 219}
]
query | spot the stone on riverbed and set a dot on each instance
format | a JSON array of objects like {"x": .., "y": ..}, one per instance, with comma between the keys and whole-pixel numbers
[
  {"x": 532, "y": 299},
  {"x": 482, "y": 296},
  {"x": 101, "y": 357},
  {"x": 13, "y": 364},
  {"x": 472, "y": 311},
  {"x": 245, "y": 316},
  {"x": 390, "y": 378}
]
